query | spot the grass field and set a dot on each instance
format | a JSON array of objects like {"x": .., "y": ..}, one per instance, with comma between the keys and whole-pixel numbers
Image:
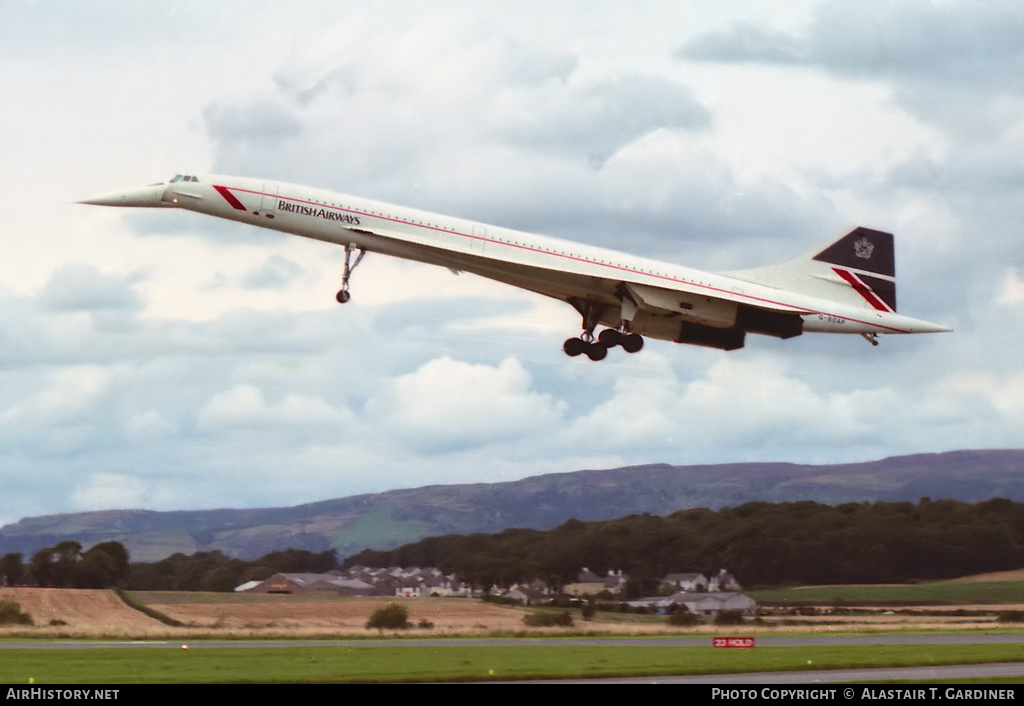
[
  {"x": 944, "y": 593},
  {"x": 406, "y": 663}
]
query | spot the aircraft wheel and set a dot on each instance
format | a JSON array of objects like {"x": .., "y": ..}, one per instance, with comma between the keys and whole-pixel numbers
[
  {"x": 597, "y": 351},
  {"x": 610, "y": 337},
  {"x": 633, "y": 343},
  {"x": 573, "y": 347},
  {"x": 343, "y": 296}
]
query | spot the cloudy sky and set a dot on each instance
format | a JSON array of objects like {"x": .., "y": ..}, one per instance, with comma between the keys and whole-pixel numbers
[{"x": 163, "y": 360}]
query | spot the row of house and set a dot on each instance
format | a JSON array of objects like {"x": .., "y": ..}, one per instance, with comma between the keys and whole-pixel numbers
[
  {"x": 588, "y": 583},
  {"x": 701, "y": 602},
  {"x": 700, "y": 595},
  {"x": 699, "y": 583},
  {"x": 364, "y": 581}
]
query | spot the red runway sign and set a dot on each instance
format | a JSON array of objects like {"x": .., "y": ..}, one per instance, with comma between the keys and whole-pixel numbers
[{"x": 732, "y": 642}]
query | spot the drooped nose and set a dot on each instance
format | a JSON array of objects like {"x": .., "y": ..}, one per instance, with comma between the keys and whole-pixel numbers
[{"x": 148, "y": 196}]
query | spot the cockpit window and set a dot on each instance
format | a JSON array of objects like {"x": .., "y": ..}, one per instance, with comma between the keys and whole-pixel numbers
[
  {"x": 179, "y": 177},
  {"x": 176, "y": 178}
]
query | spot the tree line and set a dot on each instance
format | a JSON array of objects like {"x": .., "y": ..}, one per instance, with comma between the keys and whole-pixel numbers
[
  {"x": 760, "y": 543},
  {"x": 107, "y": 565},
  {"x": 65, "y": 565}
]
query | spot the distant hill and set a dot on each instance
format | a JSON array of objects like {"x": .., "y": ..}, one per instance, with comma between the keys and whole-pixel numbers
[{"x": 389, "y": 519}]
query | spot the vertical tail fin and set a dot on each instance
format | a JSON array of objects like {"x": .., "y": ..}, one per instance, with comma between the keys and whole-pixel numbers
[
  {"x": 865, "y": 259},
  {"x": 859, "y": 268}
]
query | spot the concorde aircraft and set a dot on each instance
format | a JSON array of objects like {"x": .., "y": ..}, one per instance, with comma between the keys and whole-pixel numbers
[{"x": 845, "y": 286}]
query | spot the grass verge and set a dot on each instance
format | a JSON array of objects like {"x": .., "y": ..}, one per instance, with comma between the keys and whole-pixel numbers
[
  {"x": 447, "y": 663},
  {"x": 134, "y": 603}
]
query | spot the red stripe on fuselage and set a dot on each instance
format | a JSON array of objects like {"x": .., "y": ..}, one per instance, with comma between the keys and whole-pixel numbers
[
  {"x": 654, "y": 275},
  {"x": 862, "y": 289},
  {"x": 229, "y": 197}
]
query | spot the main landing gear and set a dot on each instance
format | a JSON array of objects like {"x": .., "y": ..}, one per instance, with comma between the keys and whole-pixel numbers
[
  {"x": 343, "y": 294},
  {"x": 598, "y": 349}
]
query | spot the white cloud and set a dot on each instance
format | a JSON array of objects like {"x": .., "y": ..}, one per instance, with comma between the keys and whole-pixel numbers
[
  {"x": 753, "y": 406},
  {"x": 149, "y": 425},
  {"x": 100, "y": 491},
  {"x": 79, "y": 287},
  {"x": 448, "y": 404},
  {"x": 595, "y": 121},
  {"x": 276, "y": 272},
  {"x": 69, "y": 396},
  {"x": 950, "y": 63},
  {"x": 246, "y": 407},
  {"x": 1013, "y": 289},
  {"x": 1002, "y": 392}
]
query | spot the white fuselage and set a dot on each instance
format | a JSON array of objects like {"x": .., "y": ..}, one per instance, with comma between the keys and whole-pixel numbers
[{"x": 549, "y": 266}]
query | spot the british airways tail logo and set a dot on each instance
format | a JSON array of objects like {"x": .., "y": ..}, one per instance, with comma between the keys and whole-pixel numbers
[{"x": 863, "y": 248}]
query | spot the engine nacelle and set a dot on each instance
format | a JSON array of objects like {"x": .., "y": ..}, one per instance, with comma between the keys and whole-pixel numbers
[
  {"x": 726, "y": 339},
  {"x": 770, "y": 323}
]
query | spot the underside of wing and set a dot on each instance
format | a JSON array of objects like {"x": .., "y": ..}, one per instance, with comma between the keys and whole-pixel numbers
[
  {"x": 680, "y": 312},
  {"x": 695, "y": 317}
]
